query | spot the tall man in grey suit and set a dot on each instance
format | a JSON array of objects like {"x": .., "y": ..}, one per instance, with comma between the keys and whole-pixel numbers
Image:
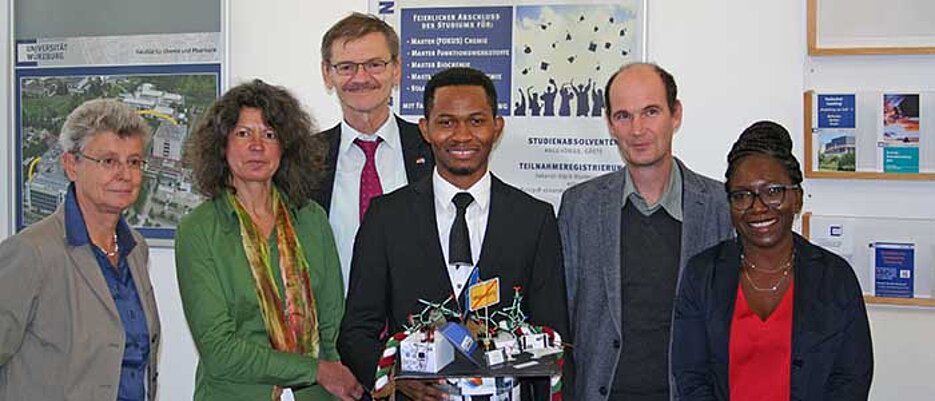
[
  {"x": 627, "y": 235},
  {"x": 371, "y": 152}
]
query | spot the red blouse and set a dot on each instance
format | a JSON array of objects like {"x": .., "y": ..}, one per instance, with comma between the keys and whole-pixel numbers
[{"x": 761, "y": 351}]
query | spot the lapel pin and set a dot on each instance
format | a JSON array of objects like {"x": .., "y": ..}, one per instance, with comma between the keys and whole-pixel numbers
[{"x": 420, "y": 160}]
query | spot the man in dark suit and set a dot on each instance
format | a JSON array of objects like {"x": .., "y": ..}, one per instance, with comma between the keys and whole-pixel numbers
[
  {"x": 408, "y": 249},
  {"x": 369, "y": 153}
]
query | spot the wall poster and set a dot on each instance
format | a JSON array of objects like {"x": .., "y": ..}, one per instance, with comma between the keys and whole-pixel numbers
[
  {"x": 169, "y": 78},
  {"x": 549, "y": 62}
]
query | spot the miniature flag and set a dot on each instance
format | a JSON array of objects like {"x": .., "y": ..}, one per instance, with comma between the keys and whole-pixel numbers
[
  {"x": 465, "y": 294},
  {"x": 485, "y": 293}
]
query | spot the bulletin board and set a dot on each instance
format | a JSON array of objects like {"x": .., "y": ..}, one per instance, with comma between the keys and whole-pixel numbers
[
  {"x": 849, "y": 27},
  {"x": 893, "y": 258}
]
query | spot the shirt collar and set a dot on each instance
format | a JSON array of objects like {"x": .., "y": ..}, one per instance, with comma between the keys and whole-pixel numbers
[
  {"x": 389, "y": 132},
  {"x": 671, "y": 199},
  {"x": 446, "y": 191},
  {"x": 76, "y": 232}
]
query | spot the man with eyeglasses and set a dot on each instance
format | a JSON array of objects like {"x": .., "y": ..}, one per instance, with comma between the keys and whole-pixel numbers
[
  {"x": 627, "y": 235},
  {"x": 369, "y": 153}
]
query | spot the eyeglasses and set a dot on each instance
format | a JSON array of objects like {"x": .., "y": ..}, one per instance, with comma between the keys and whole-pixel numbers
[
  {"x": 113, "y": 164},
  {"x": 348, "y": 68},
  {"x": 771, "y": 195}
]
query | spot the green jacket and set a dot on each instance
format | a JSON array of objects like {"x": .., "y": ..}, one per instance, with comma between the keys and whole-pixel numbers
[{"x": 218, "y": 296}]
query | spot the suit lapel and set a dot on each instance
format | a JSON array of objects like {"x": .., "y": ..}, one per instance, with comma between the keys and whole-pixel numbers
[
  {"x": 695, "y": 217},
  {"x": 86, "y": 265},
  {"x": 332, "y": 140},
  {"x": 608, "y": 214},
  {"x": 83, "y": 260},
  {"x": 417, "y": 156},
  {"x": 810, "y": 325},
  {"x": 139, "y": 270},
  {"x": 726, "y": 280},
  {"x": 424, "y": 209},
  {"x": 497, "y": 231}
]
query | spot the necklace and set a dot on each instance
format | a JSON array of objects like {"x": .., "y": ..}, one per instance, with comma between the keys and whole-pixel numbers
[
  {"x": 111, "y": 254},
  {"x": 783, "y": 267},
  {"x": 773, "y": 288}
]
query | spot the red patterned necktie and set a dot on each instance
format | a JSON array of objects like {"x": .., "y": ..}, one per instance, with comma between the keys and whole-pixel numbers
[{"x": 369, "y": 179}]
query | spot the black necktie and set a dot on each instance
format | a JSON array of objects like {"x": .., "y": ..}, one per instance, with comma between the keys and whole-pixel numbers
[{"x": 459, "y": 241}]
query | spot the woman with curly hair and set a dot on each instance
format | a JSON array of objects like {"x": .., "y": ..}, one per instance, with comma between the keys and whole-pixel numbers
[{"x": 257, "y": 266}]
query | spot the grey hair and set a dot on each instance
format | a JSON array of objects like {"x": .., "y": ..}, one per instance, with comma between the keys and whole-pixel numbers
[{"x": 100, "y": 115}]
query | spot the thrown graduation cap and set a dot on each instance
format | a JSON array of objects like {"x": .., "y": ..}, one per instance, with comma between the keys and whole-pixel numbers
[
  {"x": 543, "y": 26},
  {"x": 592, "y": 46},
  {"x": 527, "y": 49},
  {"x": 568, "y": 36},
  {"x": 525, "y": 71},
  {"x": 624, "y": 52},
  {"x": 553, "y": 44},
  {"x": 595, "y": 28},
  {"x": 607, "y": 45},
  {"x": 611, "y": 19},
  {"x": 543, "y": 66},
  {"x": 571, "y": 59},
  {"x": 581, "y": 18},
  {"x": 598, "y": 67},
  {"x": 623, "y": 31}
]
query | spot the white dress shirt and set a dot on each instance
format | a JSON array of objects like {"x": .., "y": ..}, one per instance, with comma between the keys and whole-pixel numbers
[
  {"x": 476, "y": 217},
  {"x": 344, "y": 214}
]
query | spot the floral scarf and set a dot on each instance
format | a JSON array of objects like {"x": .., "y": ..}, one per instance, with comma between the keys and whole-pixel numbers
[{"x": 293, "y": 328}]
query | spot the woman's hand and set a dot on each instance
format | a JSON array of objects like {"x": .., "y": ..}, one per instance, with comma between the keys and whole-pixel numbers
[{"x": 338, "y": 380}]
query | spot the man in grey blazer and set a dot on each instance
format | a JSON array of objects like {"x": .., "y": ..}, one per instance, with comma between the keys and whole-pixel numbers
[
  {"x": 627, "y": 235},
  {"x": 78, "y": 319}
]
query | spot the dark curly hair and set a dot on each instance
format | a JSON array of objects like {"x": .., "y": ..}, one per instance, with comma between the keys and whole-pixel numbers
[
  {"x": 303, "y": 156},
  {"x": 764, "y": 138}
]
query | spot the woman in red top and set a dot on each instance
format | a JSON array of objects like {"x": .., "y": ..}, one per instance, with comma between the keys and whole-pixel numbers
[{"x": 769, "y": 316}]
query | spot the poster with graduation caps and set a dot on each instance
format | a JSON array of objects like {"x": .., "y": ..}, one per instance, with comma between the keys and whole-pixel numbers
[{"x": 549, "y": 62}]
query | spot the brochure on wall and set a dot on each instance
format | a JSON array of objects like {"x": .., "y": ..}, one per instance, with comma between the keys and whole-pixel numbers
[
  {"x": 900, "y": 137},
  {"x": 835, "y": 236},
  {"x": 549, "y": 64},
  {"x": 894, "y": 265},
  {"x": 836, "y": 132},
  {"x": 170, "y": 79}
]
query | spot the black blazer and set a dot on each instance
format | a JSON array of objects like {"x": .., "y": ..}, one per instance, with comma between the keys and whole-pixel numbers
[
  {"x": 398, "y": 260},
  {"x": 417, "y": 157},
  {"x": 832, "y": 356}
]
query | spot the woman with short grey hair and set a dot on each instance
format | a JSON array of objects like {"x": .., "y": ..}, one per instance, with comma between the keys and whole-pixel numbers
[
  {"x": 77, "y": 315},
  {"x": 100, "y": 115}
]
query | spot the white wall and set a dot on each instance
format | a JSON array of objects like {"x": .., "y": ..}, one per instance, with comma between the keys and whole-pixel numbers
[{"x": 736, "y": 61}]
